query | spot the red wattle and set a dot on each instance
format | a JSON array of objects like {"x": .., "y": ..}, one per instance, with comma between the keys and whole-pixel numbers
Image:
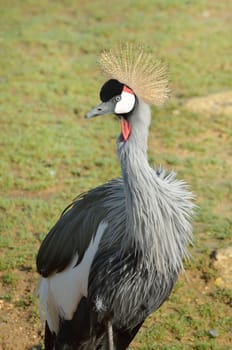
[{"x": 126, "y": 129}]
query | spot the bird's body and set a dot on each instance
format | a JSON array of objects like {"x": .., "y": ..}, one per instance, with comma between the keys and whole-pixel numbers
[{"x": 115, "y": 253}]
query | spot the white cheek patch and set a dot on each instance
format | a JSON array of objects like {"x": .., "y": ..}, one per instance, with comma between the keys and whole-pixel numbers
[{"x": 127, "y": 102}]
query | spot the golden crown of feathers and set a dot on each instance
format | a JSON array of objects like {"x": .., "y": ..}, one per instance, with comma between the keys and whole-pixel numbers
[{"x": 133, "y": 66}]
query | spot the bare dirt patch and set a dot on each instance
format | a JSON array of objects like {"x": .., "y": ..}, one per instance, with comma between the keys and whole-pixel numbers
[
  {"x": 220, "y": 103},
  {"x": 19, "y": 322}
]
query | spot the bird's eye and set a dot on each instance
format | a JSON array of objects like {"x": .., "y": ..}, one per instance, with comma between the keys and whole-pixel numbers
[{"x": 117, "y": 98}]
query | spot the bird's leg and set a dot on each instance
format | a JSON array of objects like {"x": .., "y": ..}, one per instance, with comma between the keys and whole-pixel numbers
[{"x": 110, "y": 336}]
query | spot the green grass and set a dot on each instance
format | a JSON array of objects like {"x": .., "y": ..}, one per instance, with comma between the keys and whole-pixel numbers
[{"x": 49, "y": 78}]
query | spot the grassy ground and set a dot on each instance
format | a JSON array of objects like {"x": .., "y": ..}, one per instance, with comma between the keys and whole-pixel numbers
[{"x": 48, "y": 79}]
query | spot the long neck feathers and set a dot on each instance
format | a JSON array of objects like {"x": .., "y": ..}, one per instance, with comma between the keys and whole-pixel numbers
[{"x": 158, "y": 207}]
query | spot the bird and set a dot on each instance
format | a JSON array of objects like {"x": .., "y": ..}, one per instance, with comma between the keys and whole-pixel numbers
[{"x": 115, "y": 254}]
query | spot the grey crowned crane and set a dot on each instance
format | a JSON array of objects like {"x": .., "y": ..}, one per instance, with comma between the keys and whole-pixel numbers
[{"x": 115, "y": 254}]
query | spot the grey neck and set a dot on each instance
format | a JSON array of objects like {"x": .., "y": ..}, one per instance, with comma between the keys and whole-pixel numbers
[
  {"x": 138, "y": 178},
  {"x": 133, "y": 155},
  {"x": 158, "y": 208}
]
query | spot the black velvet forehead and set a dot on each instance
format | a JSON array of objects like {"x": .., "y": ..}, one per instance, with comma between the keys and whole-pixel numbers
[{"x": 110, "y": 89}]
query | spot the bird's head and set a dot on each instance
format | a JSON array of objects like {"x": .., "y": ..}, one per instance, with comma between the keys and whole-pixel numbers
[
  {"x": 117, "y": 99},
  {"x": 133, "y": 77}
]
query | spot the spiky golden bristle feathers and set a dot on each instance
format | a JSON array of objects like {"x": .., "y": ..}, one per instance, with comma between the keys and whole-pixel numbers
[{"x": 133, "y": 66}]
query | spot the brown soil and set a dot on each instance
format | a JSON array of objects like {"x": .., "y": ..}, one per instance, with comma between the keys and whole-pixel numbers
[
  {"x": 220, "y": 103},
  {"x": 19, "y": 321}
]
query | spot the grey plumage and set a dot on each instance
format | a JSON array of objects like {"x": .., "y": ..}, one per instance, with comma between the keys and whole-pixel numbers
[{"x": 139, "y": 256}]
